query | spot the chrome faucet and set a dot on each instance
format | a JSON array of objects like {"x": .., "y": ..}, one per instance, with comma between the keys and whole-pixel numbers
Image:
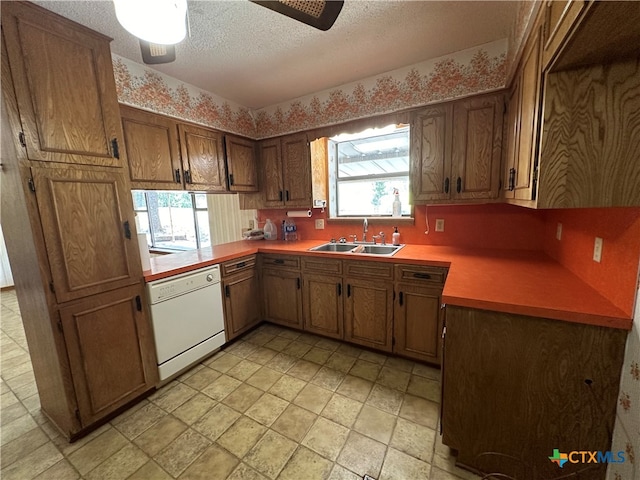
[
  {"x": 365, "y": 228},
  {"x": 382, "y": 238}
]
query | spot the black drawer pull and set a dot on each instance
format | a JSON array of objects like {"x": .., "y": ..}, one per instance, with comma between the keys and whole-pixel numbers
[
  {"x": 401, "y": 298},
  {"x": 114, "y": 148},
  {"x": 280, "y": 195},
  {"x": 241, "y": 264},
  {"x": 348, "y": 289},
  {"x": 287, "y": 195},
  {"x": 459, "y": 185},
  {"x": 227, "y": 292},
  {"x": 298, "y": 282},
  {"x": 177, "y": 175},
  {"x": 423, "y": 276},
  {"x": 339, "y": 287},
  {"x": 278, "y": 261},
  {"x": 231, "y": 179},
  {"x": 127, "y": 229},
  {"x": 512, "y": 179},
  {"x": 446, "y": 185}
]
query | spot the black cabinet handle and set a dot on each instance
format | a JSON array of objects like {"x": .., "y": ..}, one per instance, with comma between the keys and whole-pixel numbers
[
  {"x": 446, "y": 185},
  {"x": 298, "y": 282},
  {"x": 286, "y": 195},
  {"x": 227, "y": 292},
  {"x": 240, "y": 264},
  {"x": 187, "y": 176},
  {"x": 231, "y": 179},
  {"x": 423, "y": 276},
  {"x": 127, "y": 229},
  {"x": 279, "y": 261},
  {"x": 177, "y": 174},
  {"x": 115, "y": 151},
  {"x": 339, "y": 287},
  {"x": 280, "y": 195},
  {"x": 138, "y": 303},
  {"x": 348, "y": 289},
  {"x": 459, "y": 185},
  {"x": 512, "y": 179},
  {"x": 401, "y": 298}
]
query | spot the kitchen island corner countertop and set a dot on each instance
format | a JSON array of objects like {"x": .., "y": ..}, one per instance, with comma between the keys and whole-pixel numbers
[{"x": 510, "y": 281}]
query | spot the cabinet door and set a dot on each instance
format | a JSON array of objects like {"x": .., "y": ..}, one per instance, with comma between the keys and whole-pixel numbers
[
  {"x": 202, "y": 159},
  {"x": 322, "y": 302},
  {"x": 89, "y": 230},
  {"x": 296, "y": 171},
  {"x": 477, "y": 147},
  {"x": 282, "y": 297},
  {"x": 430, "y": 170},
  {"x": 111, "y": 352},
  {"x": 271, "y": 166},
  {"x": 417, "y": 322},
  {"x": 64, "y": 85},
  {"x": 368, "y": 313},
  {"x": 151, "y": 142},
  {"x": 241, "y": 310},
  {"x": 559, "y": 18},
  {"x": 511, "y": 132},
  {"x": 241, "y": 164}
]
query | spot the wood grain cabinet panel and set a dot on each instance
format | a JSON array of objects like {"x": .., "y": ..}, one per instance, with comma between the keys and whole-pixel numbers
[
  {"x": 282, "y": 297},
  {"x": 63, "y": 79},
  {"x": 241, "y": 309},
  {"x": 202, "y": 158},
  {"x": 559, "y": 18},
  {"x": 322, "y": 300},
  {"x": 151, "y": 142},
  {"x": 368, "y": 313},
  {"x": 89, "y": 230},
  {"x": 110, "y": 346},
  {"x": 241, "y": 164}
]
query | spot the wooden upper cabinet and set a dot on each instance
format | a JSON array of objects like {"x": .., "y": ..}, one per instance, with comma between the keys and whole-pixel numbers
[
  {"x": 271, "y": 166},
  {"x": 559, "y": 18},
  {"x": 241, "y": 164},
  {"x": 151, "y": 142},
  {"x": 511, "y": 134},
  {"x": 64, "y": 86},
  {"x": 477, "y": 147},
  {"x": 202, "y": 159},
  {"x": 431, "y": 131},
  {"x": 89, "y": 230}
]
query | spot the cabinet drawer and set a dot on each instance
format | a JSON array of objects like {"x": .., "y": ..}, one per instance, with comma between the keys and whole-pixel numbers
[
  {"x": 322, "y": 265},
  {"x": 238, "y": 265},
  {"x": 419, "y": 273},
  {"x": 283, "y": 261},
  {"x": 369, "y": 269}
]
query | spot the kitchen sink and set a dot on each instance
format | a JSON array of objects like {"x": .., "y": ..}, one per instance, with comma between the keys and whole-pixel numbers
[{"x": 383, "y": 250}]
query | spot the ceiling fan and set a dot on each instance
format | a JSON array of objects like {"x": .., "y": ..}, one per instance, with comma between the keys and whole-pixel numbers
[{"x": 320, "y": 14}]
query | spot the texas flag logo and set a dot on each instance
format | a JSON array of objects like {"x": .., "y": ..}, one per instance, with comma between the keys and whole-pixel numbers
[{"x": 559, "y": 458}]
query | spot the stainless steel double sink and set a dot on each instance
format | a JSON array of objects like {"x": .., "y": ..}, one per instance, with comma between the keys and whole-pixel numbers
[{"x": 381, "y": 250}]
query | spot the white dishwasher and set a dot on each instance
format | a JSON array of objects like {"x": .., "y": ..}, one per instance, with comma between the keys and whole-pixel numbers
[{"x": 187, "y": 317}]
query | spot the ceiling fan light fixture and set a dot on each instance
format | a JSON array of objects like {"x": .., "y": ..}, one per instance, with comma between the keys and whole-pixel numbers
[{"x": 157, "y": 21}]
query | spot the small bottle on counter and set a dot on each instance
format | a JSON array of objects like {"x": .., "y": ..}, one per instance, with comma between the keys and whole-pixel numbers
[
  {"x": 270, "y": 231},
  {"x": 395, "y": 238},
  {"x": 396, "y": 210}
]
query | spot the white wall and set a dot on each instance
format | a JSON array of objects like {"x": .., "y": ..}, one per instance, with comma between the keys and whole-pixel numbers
[
  {"x": 226, "y": 220},
  {"x": 6, "y": 279}
]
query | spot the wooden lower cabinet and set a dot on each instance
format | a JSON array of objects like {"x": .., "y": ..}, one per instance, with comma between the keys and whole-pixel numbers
[
  {"x": 322, "y": 301},
  {"x": 368, "y": 313},
  {"x": 520, "y": 387},
  {"x": 110, "y": 347},
  {"x": 282, "y": 297},
  {"x": 241, "y": 310}
]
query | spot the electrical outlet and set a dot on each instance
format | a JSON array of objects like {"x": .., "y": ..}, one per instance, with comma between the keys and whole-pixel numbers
[
  {"x": 439, "y": 224},
  {"x": 251, "y": 225},
  {"x": 320, "y": 224},
  {"x": 597, "y": 250},
  {"x": 559, "y": 231}
]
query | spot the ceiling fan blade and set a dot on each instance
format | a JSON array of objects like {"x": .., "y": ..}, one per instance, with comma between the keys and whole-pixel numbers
[
  {"x": 320, "y": 14},
  {"x": 153, "y": 53}
]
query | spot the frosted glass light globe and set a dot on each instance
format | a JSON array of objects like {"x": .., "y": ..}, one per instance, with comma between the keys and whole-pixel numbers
[{"x": 156, "y": 21}]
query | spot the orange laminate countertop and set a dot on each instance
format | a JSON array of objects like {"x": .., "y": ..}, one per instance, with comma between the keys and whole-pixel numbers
[{"x": 510, "y": 281}]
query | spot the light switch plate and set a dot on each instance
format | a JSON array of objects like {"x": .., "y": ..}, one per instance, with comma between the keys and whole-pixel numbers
[
  {"x": 439, "y": 224},
  {"x": 597, "y": 250},
  {"x": 320, "y": 224}
]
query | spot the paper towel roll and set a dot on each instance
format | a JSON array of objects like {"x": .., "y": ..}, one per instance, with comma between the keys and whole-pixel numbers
[
  {"x": 145, "y": 258},
  {"x": 299, "y": 213}
]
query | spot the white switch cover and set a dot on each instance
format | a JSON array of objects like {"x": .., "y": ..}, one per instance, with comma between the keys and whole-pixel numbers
[
  {"x": 559, "y": 232},
  {"x": 320, "y": 224},
  {"x": 597, "y": 250},
  {"x": 439, "y": 224}
]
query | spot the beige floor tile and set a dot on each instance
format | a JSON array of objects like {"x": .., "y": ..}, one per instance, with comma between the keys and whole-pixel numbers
[
  {"x": 426, "y": 371},
  {"x": 304, "y": 370},
  {"x": 270, "y": 454},
  {"x": 7, "y": 399},
  {"x": 120, "y": 465},
  {"x": 328, "y": 344},
  {"x": 342, "y": 410},
  {"x": 202, "y": 378},
  {"x": 25, "y": 391},
  {"x": 264, "y": 378},
  {"x": 306, "y": 464},
  {"x": 385, "y": 398},
  {"x": 261, "y": 338},
  {"x": 294, "y": 422},
  {"x": 317, "y": 355},
  {"x": 241, "y": 348},
  {"x": 190, "y": 373},
  {"x": 193, "y": 409},
  {"x": 20, "y": 379},
  {"x": 12, "y": 412},
  {"x": 281, "y": 362},
  {"x": 419, "y": 410},
  {"x": 216, "y": 421},
  {"x": 328, "y": 378},
  {"x": 355, "y": 387},
  {"x": 21, "y": 446},
  {"x": 340, "y": 361},
  {"x": 278, "y": 344},
  {"x": 425, "y": 388},
  {"x": 89, "y": 456},
  {"x": 245, "y": 472},
  {"x": 392, "y": 378},
  {"x": 444, "y": 468},
  {"x": 367, "y": 370},
  {"x": 139, "y": 421},
  {"x": 350, "y": 350},
  {"x": 214, "y": 463},
  {"x": 174, "y": 397},
  {"x": 221, "y": 387},
  {"x": 261, "y": 355},
  {"x": 160, "y": 435},
  {"x": 180, "y": 453},
  {"x": 223, "y": 361},
  {"x": 399, "y": 466},
  {"x": 162, "y": 390},
  {"x": 414, "y": 440},
  {"x": 241, "y": 436},
  {"x": 290, "y": 334},
  {"x": 242, "y": 397},
  {"x": 150, "y": 471},
  {"x": 267, "y": 409},
  {"x": 313, "y": 398},
  {"x": 297, "y": 349},
  {"x": 401, "y": 364},
  {"x": 34, "y": 463},
  {"x": 341, "y": 473},
  {"x": 32, "y": 403},
  {"x": 354, "y": 458},
  {"x": 287, "y": 387},
  {"x": 62, "y": 470},
  {"x": 63, "y": 444},
  {"x": 326, "y": 438},
  {"x": 375, "y": 423},
  {"x": 373, "y": 357},
  {"x": 308, "y": 338},
  {"x": 17, "y": 428},
  {"x": 244, "y": 370}
]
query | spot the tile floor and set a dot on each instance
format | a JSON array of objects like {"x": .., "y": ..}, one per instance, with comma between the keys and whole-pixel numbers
[{"x": 276, "y": 404}]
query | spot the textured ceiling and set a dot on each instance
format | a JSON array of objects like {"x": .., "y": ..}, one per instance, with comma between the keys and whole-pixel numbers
[{"x": 256, "y": 57}]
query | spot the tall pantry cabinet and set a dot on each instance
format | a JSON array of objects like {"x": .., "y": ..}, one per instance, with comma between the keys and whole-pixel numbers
[{"x": 68, "y": 220}]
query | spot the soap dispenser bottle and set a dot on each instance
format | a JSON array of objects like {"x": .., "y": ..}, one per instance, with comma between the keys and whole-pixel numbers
[{"x": 395, "y": 238}]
